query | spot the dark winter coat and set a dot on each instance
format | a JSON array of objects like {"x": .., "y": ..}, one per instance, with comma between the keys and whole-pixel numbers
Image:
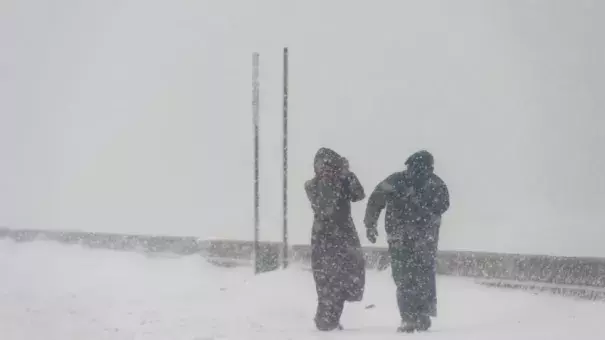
[
  {"x": 413, "y": 217},
  {"x": 336, "y": 256},
  {"x": 410, "y": 205}
]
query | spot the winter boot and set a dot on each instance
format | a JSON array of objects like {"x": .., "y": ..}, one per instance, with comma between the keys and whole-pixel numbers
[
  {"x": 407, "y": 327},
  {"x": 326, "y": 325},
  {"x": 424, "y": 323}
]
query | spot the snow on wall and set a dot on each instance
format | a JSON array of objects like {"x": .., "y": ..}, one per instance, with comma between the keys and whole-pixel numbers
[
  {"x": 583, "y": 277},
  {"x": 134, "y": 116}
]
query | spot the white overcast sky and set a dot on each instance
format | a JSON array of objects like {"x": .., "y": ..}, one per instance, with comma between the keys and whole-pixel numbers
[{"x": 134, "y": 116}]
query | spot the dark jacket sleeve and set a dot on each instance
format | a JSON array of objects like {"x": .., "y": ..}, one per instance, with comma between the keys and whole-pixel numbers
[
  {"x": 322, "y": 198},
  {"x": 355, "y": 188},
  {"x": 378, "y": 201},
  {"x": 310, "y": 190},
  {"x": 441, "y": 200}
]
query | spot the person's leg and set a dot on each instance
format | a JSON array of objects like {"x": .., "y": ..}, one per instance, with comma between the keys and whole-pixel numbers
[
  {"x": 414, "y": 275},
  {"x": 329, "y": 311},
  {"x": 339, "y": 306},
  {"x": 423, "y": 323},
  {"x": 323, "y": 319},
  {"x": 352, "y": 273},
  {"x": 408, "y": 310},
  {"x": 330, "y": 303},
  {"x": 322, "y": 311},
  {"x": 401, "y": 266},
  {"x": 427, "y": 291},
  {"x": 421, "y": 317}
]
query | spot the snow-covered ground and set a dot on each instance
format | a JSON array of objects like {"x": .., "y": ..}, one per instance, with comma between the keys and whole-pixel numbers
[{"x": 51, "y": 291}]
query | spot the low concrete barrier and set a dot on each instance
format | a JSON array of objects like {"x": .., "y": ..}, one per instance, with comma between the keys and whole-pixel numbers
[
  {"x": 582, "y": 292},
  {"x": 525, "y": 270}
]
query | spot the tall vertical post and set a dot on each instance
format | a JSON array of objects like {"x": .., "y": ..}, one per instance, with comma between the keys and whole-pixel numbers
[
  {"x": 256, "y": 121},
  {"x": 285, "y": 162}
]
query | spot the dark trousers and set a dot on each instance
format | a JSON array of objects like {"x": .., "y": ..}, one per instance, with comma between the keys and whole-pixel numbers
[{"x": 413, "y": 270}]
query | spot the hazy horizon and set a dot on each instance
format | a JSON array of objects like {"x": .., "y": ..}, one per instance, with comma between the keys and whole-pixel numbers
[{"x": 135, "y": 116}]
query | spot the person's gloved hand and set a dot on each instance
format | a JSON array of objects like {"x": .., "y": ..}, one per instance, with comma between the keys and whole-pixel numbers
[
  {"x": 371, "y": 234},
  {"x": 345, "y": 166}
]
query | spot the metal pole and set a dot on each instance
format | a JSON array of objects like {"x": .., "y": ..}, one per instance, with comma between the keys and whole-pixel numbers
[
  {"x": 285, "y": 161},
  {"x": 255, "y": 118}
]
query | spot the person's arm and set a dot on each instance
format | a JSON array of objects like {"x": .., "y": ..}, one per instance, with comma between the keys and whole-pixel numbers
[
  {"x": 355, "y": 188},
  {"x": 441, "y": 200},
  {"x": 310, "y": 190},
  {"x": 378, "y": 201},
  {"x": 438, "y": 203},
  {"x": 322, "y": 197}
]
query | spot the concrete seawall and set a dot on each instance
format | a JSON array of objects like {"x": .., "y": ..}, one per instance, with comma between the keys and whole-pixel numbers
[{"x": 574, "y": 276}]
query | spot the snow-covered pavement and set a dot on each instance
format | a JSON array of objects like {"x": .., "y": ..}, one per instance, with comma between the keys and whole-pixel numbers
[{"x": 50, "y": 291}]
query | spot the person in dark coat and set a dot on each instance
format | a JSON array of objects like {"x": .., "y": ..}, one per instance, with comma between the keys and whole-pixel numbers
[
  {"x": 336, "y": 256},
  {"x": 415, "y": 199}
]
